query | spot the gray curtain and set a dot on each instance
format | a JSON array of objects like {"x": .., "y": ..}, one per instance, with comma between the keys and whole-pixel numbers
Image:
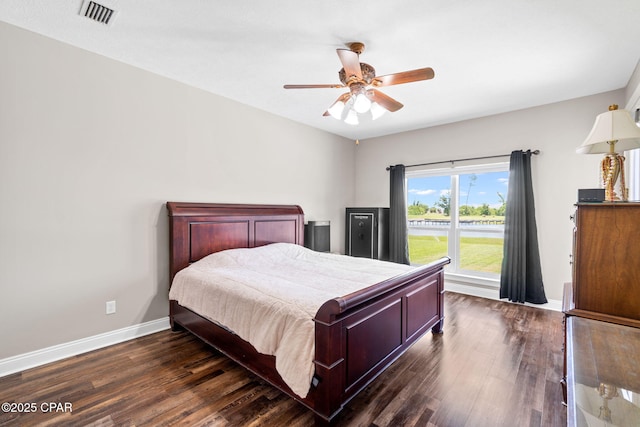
[
  {"x": 521, "y": 276},
  {"x": 398, "y": 243}
]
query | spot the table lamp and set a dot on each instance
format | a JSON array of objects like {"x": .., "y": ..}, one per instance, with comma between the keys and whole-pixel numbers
[{"x": 613, "y": 130}]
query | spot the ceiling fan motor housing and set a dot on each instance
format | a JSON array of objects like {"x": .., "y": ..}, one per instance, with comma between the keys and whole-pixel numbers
[{"x": 368, "y": 74}]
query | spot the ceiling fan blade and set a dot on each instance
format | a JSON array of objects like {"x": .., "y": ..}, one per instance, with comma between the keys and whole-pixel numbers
[
  {"x": 383, "y": 100},
  {"x": 403, "y": 77},
  {"x": 351, "y": 63},
  {"x": 328, "y": 86}
]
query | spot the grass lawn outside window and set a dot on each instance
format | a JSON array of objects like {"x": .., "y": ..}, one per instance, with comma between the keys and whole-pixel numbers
[{"x": 478, "y": 253}]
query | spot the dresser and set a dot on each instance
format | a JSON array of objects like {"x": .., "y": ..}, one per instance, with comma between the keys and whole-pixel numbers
[{"x": 606, "y": 263}]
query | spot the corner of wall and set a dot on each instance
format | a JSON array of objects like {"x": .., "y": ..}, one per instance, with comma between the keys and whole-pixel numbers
[{"x": 632, "y": 91}]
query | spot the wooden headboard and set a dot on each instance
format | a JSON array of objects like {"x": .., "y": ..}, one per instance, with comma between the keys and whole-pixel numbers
[{"x": 199, "y": 229}]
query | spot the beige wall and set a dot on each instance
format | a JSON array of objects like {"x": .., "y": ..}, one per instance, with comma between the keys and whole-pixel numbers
[
  {"x": 90, "y": 149},
  {"x": 555, "y": 129}
]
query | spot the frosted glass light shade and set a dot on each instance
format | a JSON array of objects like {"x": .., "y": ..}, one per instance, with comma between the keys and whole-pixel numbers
[
  {"x": 336, "y": 110},
  {"x": 352, "y": 118},
  {"x": 377, "y": 110},
  {"x": 362, "y": 103}
]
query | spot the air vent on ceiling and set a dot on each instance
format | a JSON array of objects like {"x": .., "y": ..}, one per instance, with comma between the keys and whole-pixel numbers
[{"x": 97, "y": 12}]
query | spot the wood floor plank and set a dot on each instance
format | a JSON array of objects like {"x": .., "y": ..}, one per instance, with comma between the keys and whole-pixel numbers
[{"x": 497, "y": 364}]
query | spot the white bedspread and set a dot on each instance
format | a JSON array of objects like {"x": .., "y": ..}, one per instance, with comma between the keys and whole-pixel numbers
[{"x": 269, "y": 295}]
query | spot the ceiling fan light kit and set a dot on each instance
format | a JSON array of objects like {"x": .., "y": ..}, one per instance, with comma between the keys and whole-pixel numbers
[{"x": 360, "y": 78}]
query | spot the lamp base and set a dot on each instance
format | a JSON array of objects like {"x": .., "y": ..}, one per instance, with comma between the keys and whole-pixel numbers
[{"x": 613, "y": 167}]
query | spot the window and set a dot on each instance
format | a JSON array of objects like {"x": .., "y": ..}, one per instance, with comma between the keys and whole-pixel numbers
[{"x": 458, "y": 212}]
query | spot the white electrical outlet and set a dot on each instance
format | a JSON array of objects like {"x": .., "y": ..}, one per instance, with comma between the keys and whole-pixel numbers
[{"x": 111, "y": 307}]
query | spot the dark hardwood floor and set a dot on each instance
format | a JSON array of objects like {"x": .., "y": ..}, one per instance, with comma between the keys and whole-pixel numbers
[{"x": 497, "y": 364}]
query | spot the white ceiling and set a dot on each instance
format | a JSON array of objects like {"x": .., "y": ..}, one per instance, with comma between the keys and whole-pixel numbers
[{"x": 489, "y": 56}]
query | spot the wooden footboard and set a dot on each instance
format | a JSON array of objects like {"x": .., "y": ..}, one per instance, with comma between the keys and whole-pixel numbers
[{"x": 359, "y": 335}]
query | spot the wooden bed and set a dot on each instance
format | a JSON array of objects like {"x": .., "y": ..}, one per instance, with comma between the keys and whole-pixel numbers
[{"x": 357, "y": 336}]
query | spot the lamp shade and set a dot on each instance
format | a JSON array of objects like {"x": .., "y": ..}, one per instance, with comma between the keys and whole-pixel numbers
[{"x": 614, "y": 125}]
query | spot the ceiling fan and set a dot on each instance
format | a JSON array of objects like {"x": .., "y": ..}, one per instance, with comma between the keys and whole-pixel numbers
[{"x": 362, "y": 82}]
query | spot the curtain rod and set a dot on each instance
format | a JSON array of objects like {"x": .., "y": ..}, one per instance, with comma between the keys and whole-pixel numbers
[{"x": 463, "y": 160}]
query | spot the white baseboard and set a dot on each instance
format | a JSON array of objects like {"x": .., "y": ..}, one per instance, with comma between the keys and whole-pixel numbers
[
  {"x": 43, "y": 356},
  {"x": 494, "y": 294}
]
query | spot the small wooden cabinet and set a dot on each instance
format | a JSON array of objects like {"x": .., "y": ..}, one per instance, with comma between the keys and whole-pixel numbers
[{"x": 606, "y": 263}]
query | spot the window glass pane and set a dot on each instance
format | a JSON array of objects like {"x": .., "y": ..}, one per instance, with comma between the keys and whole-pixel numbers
[
  {"x": 483, "y": 198},
  {"x": 429, "y": 197},
  {"x": 429, "y": 204},
  {"x": 482, "y": 204}
]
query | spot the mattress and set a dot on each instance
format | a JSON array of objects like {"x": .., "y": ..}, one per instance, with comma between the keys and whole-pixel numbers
[{"x": 269, "y": 296}]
